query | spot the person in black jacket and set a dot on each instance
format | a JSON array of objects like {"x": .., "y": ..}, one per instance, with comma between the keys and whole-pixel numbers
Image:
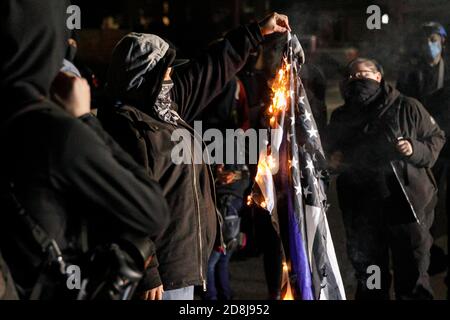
[
  {"x": 68, "y": 174},
  {"x": 382, "y": 145},
  {"x": 149, "y": 105}
]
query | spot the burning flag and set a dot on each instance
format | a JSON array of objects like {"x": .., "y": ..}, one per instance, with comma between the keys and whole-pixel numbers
[{"x": 290, "y": 185}]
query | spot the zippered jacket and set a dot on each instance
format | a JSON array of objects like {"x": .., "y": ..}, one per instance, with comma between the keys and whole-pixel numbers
[{"x": 184, "y": 249}]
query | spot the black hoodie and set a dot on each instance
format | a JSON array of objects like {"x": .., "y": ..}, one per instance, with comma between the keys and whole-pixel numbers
[
  {"x": 64, "y": 169},
  {"x": 184, "y": 250},
  {"x": 34, "y": 40}
]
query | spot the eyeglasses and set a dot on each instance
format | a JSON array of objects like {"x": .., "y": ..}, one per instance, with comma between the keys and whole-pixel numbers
[{"x": 361, "y": 74}]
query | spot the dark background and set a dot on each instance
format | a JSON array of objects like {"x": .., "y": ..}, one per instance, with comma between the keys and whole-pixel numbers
[{"x": 339, "y": 26}]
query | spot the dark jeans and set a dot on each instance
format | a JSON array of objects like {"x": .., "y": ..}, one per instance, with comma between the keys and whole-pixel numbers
[
  {"x": 218, "y": 284},
  {"x": 376, "y": 226},
  {"x": 218, "y": 280}
]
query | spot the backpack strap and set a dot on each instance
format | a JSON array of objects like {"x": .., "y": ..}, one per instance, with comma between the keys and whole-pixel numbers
[
  {"x": 40, "y": 236},
  {"x": 47, "y": 244}
]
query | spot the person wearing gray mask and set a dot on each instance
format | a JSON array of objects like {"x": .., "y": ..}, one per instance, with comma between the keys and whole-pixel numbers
[{"x": 151, "y": 98}]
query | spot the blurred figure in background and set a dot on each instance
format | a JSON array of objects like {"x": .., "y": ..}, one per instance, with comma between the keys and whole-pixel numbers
[
  {"x": 110, "y": 23},
  {"x": 315, "y": 82},
  {"x": 228, "y": 111},
  {"x": 257, "y": 77},
  {"x": 426, "y": 77}
]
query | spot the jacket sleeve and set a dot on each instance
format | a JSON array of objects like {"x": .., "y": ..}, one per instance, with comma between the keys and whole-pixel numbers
[
  {"x": 151, "y": 278},
  {"x": 127, "y": 147},
  {"x": 203, "y": 79},
  {"x": 106, "y": 176},
  {"x": 430, "y": 138}
]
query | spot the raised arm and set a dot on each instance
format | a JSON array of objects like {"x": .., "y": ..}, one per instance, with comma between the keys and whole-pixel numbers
[{"x": 203, "y": 79}]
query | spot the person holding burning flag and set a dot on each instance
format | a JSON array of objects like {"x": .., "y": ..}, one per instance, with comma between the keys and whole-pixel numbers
[{"x": 149, "y": 102}]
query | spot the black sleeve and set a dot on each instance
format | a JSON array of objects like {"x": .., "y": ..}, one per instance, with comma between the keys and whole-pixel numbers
[
  {"x": 430, "y": 138},
  {"x": 151, "y": 278},
  {"x": 202, "y": 80},
  {"x": 125, "y": 156},
  {"x": 110, "y": 179}
]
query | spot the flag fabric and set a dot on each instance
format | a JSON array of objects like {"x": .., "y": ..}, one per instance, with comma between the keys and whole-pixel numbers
[{"x": 295, "y": 191}]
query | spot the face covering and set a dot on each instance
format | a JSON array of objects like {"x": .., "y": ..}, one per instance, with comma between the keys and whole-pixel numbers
[
  {"x": 163, "y": 105},
  {"x": 434, "y": 49},
  {"x": 360, "y": 91},
  {"x": 71, "y": 52}
]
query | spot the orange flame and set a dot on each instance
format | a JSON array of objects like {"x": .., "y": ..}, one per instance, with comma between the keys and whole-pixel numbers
[
  {"x": 249, "y": 200},
  {"x": 288, "y": 295},
  {"x": 279, "y": 103},
  {"x": 280, "y": 97},
  {"x": 280, "y": 94}
]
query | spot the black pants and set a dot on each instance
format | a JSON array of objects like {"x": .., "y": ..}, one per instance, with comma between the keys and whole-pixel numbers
[{"x": 377, "y": 227}]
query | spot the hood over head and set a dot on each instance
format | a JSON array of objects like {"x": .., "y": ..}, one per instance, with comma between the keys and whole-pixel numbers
[
  {"x": 34, "y": 37},
  {"x": 136, "y": 73}
]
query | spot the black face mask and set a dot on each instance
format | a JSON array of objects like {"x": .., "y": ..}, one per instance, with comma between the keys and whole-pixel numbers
[
  {"x": 71, "y": 52},
  {"x": 360, "y": 91}
]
